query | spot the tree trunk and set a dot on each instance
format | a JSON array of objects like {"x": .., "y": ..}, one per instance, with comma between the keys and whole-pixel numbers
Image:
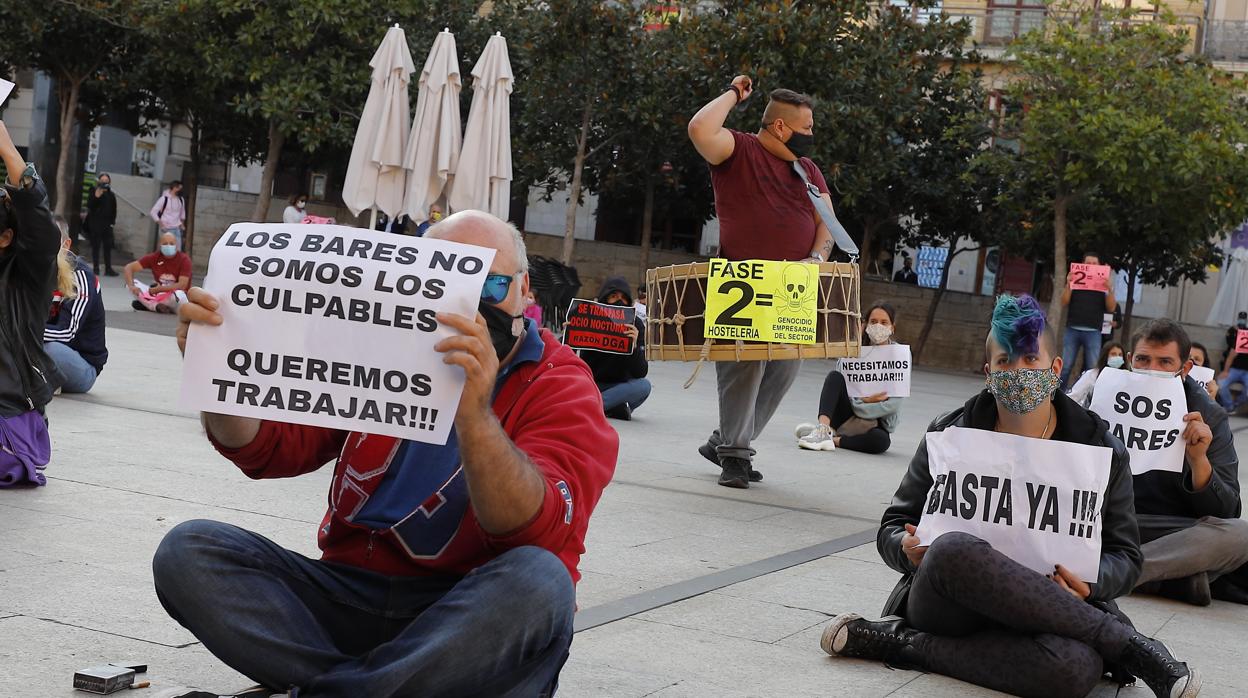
[
  {"x": 864, "y": 250},
  {"x": 935, "y": 302},
  {"x": 1125, "y": 334},
  {"x": 574, "y": 191},
  {"x": 1061, "y": 203},
  {"x": 647, "y": 228},
  {"x": 70, "y": 89},
  {"x": 191, "y": 186},
  {"x": 276, "y": 139}
]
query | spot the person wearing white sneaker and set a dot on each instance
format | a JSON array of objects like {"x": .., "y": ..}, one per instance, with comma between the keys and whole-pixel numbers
[{"x": 857, "y": 424}]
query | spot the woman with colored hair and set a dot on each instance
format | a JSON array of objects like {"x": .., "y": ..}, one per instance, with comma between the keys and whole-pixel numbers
[
  {"x": 862, "y": 424},
  {"x": 1112, "y": 356},
  {"x": 966, "y": 610},
  {"x": 29, "y": 243}
]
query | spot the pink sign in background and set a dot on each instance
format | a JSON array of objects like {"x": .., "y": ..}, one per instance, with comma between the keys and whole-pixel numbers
[{"x": 1089, "y": 277}]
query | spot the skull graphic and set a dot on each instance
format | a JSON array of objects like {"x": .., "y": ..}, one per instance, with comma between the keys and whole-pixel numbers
[{"x": 798, "y": 291}]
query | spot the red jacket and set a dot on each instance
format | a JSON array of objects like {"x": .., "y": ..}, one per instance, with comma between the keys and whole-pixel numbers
[{"x": 550, "y": 409}]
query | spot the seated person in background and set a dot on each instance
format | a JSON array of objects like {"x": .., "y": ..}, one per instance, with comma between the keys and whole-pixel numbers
[
  {"x": 171, "y": 270},
  {"x": 1234, "y": 369},
  {"x": 296, "y": 210},
  {"x": 1112, "y": 356},
  {"x": 622, "y": 379},
  {"x": 965, "y": 610},
  {"x": 640, "y": 303},
  {"x": 74, "y": 334},
  {"x": 435, "y": 215},
  {"x": 1195, "y": 545},
  {"x": 447, "y": 570},
  {"x": 861, "y": 423},
  {"x": 1200, "y": 357},
  {"x": 532, "y": 309}
]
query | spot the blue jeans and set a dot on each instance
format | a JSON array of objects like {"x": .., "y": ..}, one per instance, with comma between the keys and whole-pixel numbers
[
  {"x": 1090, "y": 340},
  {"x": 79, "y": 375},
  {"x": 634, "y": 392},
  {"x": 327, "y": 629},
  {"x": 1235, "y": 375}
]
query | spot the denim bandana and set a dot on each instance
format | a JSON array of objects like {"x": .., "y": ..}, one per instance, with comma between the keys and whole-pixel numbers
[{"x": 1021, "y": 390}]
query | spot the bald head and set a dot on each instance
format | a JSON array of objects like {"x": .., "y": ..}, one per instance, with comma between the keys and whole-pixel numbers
[{"x": 485, "y": 230}]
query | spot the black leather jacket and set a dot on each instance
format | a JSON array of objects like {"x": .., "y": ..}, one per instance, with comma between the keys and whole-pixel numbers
[
  {"x": 27, "y": 277},
  {"x": 1120, "y": 540}
]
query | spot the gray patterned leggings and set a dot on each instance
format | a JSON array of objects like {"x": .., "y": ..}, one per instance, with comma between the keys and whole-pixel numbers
[{"x": 988, "y": 620}]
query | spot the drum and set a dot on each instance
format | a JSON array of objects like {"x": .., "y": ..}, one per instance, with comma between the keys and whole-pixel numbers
[{"x": 677, "y": 304}]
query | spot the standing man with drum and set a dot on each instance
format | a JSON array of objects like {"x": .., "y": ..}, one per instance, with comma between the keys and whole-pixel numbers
[{"x": 764, "y": 213}]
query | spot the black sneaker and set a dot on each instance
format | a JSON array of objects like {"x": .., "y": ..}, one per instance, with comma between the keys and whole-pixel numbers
[
  {"x": 708, "y": 452},
  {"x": 137, "y": 305},
  {"x": 886, "y": 640},
  {"x": 1149, "y": 660},
  {"x": 736, "y": 473},
  {"x": 621, "y": 412},
  {"x": 110, "y": 272},
  {"x": 1194, "y": 589},
  {"x": 1224, "y": 589}
]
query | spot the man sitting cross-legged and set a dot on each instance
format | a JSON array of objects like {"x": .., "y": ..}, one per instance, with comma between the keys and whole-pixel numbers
[
  {"x": 446, "y": 570},
  {"x": 1194, "y": 543}
]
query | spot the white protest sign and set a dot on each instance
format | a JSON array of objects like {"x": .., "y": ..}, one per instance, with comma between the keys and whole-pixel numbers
[
  {"x": 6, "y": 88},
  {"x": 1146, "y": 414},
  {"x": 1036, "y": 501},
  {"x": 884, "y": 368},
  {"x": 333, "y": 326},
  {"x": 1202, "y": 375}
]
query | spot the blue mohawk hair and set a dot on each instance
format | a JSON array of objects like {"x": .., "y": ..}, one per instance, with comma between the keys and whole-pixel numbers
[{"x": 1017, "y": 322}]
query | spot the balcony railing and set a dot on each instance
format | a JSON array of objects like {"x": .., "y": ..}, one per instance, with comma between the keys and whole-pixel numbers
[{"x": 995, "y": 27}]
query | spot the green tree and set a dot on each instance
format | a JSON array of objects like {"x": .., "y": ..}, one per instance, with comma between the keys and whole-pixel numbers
[
  {"x": 82, "y": 46},
  {"x": 1116, "y": 113},
  {"x": 302, "y": 68},
  {"x": 578, "y": 54}
]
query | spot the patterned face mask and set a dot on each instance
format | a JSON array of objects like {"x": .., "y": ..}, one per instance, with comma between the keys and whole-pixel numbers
[{"x": 1021, "y": 390}]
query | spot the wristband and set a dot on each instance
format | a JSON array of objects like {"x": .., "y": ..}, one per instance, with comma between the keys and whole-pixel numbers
[{"x": 735, "y": 89}]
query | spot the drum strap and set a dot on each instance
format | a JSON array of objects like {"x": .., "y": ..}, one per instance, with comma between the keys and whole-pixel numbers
[{"x": 839, "y": 235}]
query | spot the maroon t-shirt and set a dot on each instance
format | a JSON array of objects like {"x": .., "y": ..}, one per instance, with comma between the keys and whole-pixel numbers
[
  {"x": 167, "y": 270},
  {"x": 764, "y": 211}
]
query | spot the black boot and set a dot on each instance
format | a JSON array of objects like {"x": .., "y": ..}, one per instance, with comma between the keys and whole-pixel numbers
[
  {"x": 621, "y": 412},
  {"x": 1224, "y": 589},
  {"x": 887, "y": 640},
  {"x": 707, "y": 451},
  {"x": 1149, "y": 660},
  {"x": 736, "y": 473}
]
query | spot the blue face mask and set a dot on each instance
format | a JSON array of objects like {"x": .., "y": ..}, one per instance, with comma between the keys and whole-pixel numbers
[{"x": 168, "y": 250}]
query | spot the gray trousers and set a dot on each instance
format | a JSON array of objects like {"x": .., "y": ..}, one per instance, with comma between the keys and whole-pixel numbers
[
  {"x": 1215, "y": 546},
  {"x": 749, "y": 393}
]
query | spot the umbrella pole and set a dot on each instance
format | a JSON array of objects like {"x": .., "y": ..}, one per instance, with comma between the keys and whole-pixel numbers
[{"x": 372, "y": 218}]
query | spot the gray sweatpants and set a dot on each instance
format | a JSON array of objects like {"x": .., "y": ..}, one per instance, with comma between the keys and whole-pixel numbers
[
  {"x": 1215, "y": 546},
  {"x": 749, "y": 393}
]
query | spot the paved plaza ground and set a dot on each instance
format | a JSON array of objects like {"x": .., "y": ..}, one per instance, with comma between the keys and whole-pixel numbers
[{"x": 689, "y": 589}]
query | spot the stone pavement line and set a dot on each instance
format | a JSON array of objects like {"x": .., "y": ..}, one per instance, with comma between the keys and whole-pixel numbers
[
  {"x": 800, "y": 510},
  {"x": 128, "y": 408},
  {"x": 102, "y": 632},
  {"x": 656, "y": 598}
]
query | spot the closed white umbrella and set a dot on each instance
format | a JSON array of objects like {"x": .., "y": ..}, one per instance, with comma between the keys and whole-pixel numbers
[
  {"x": 483, "y": 181},
  {"x": 433, "y": 149},
  {"x": 376, "y": 178},
  {"x": 1232, "y": 291}
]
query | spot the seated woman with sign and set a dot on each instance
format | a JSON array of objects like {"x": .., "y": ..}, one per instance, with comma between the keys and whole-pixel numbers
[
  {"x": 1112, "y": 356},
  {"x": 861, "y": 423},
  {"x": 964, "y": 609},
  {"x": 1200, "y": 357},
  {"x": 620, "y": 377}
]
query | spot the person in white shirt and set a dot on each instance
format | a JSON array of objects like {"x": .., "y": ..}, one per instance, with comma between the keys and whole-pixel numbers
[
  {"x": 169, "y": 212},
  {"x": 295, "y": 212},
  {"x": 1111, "y": 356}
]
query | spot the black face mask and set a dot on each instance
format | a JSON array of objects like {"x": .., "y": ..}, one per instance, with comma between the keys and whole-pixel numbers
[
  {"x": 800, "y": 144},
  {"x": 504, "y": 328},
  {"x": 105, "y": 186}
]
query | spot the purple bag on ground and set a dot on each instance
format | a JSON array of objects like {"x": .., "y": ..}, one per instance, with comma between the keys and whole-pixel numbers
[{"x": 25, "y": 450}]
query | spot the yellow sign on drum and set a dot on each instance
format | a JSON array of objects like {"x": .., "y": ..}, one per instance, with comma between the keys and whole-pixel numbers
[{"x": 762, "y": 301}]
